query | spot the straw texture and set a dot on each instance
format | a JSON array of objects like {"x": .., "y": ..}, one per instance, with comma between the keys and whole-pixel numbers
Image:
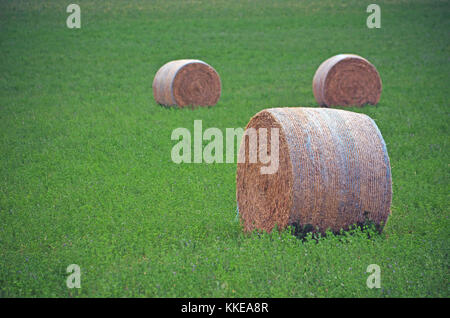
[
  {"x": 186, "y": 82},
  {"x": 333, "y": 172},
  {"x": 346, "y": 80}
]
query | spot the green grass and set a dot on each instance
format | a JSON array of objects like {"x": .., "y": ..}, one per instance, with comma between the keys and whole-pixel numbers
[{"x": 86, "y": 175}]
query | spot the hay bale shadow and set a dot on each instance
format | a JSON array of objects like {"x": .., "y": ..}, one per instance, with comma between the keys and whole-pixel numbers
[
  {"x": 189, "y": 107},
  {"x": 307, "y": 231}
]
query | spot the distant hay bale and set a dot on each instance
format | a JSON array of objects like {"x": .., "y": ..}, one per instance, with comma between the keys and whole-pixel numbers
[
  {"x": 333, "y": 172},
  {"x": 346, "y": 80},
  {"x": 186, "y": 82}
]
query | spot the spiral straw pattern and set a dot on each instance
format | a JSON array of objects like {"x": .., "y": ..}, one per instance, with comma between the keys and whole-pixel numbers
[
  {"x": 186, "y": 82},
  {"x": 333, "y": 172},
  {"x": 346, "y": 80}
]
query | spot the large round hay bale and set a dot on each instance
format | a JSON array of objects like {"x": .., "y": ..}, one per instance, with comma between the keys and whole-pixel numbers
[
  {"x": 346, "y": 80},
  {"x": 186, "y": 82},
  {"x": 333, "y": 172}
]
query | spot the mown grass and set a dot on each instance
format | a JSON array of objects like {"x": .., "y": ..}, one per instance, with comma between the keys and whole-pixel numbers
[{"x": 86, "y": 175}]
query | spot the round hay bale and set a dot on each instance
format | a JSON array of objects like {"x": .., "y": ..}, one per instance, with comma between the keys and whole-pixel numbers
[
  {"x": 333, "y": 172},
  {"x": 186, "y": 82},
  {"x": 346, "y": 80}
]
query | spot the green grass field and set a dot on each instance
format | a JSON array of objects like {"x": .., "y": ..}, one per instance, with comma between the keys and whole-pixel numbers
[{"x": 86, "y": 175}]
